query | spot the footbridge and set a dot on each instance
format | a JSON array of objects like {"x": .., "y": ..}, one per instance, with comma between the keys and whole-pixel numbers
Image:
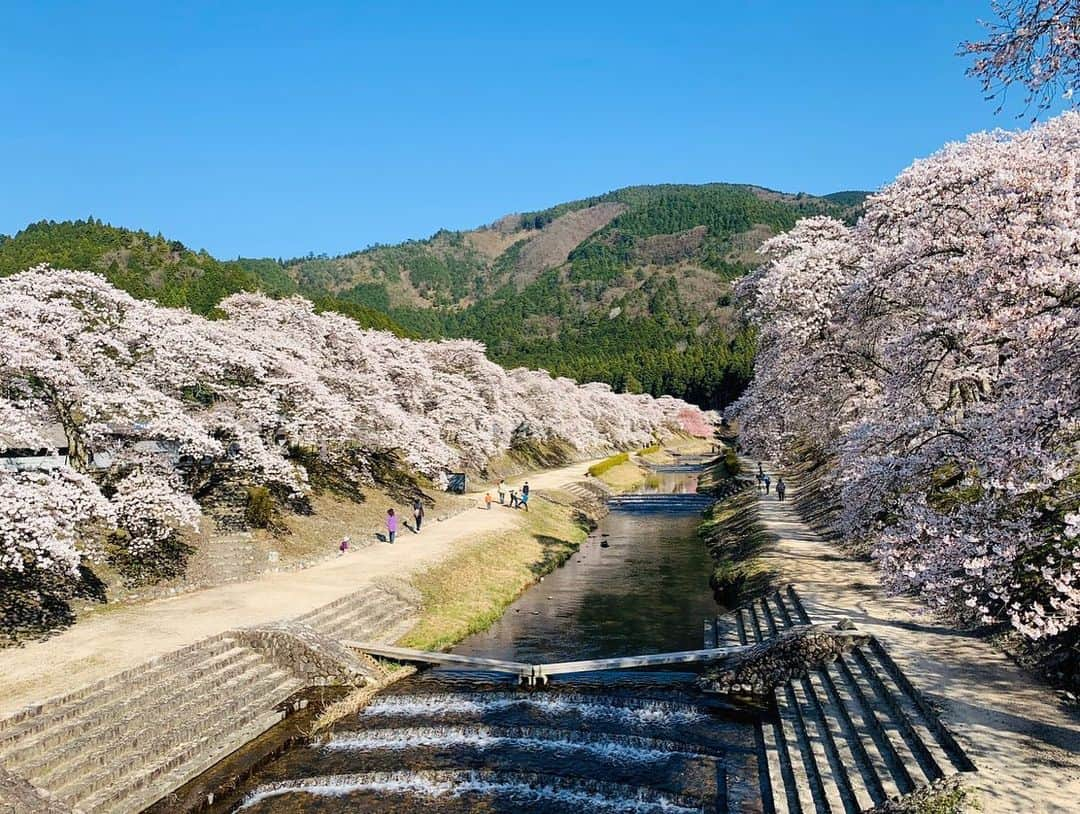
[{"x": 533, "y": 674}]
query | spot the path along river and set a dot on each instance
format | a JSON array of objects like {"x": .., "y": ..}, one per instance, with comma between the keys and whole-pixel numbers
[{"x": 633, "y": 741}]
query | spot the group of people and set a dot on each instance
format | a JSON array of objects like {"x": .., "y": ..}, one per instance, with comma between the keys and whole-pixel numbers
[
  {"x": 392, "y": 520},
  {"x": 392, "y": 525},
  {"x": 764, "y": 483},
  {"x": 518, "y": 500}
]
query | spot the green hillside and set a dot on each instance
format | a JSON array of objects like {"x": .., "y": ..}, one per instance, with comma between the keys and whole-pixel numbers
[
  {"x": 152, "y": 267},
  {"x": 631, "y": 287}
]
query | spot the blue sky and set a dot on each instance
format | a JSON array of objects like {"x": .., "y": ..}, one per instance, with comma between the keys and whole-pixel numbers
[{"x": 274, "y": 129}]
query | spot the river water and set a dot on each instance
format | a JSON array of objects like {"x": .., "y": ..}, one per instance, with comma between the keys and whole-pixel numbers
[{"x": 634, "y": 741}]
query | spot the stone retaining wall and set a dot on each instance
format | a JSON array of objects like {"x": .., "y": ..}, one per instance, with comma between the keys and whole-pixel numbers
[{"x": 315, "y": 658}]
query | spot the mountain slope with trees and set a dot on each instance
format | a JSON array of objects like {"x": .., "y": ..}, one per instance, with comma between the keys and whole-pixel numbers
[{"x": 631, "y": 287}]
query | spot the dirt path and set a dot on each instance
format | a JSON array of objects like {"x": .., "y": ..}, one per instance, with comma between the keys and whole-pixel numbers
[
  {"x": 116, "y": 639},
  {"x": 1025, "y": 744}
]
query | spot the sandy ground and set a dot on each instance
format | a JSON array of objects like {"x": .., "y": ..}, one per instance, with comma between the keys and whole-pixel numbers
[
  {"x": 116, "y": 639},
  {"x": 1024, "y": 742}
]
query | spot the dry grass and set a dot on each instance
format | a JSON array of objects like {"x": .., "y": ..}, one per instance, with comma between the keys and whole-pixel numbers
[
  {"x": 316, "y": 536},
  {"x": 468, "y": 591},
  {"x": 551, "y": 246}
]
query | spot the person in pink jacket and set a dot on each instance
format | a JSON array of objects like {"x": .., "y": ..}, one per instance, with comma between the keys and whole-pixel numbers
[{"x": 391, "y": 525}]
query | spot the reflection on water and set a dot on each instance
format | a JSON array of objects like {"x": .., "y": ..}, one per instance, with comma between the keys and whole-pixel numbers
[
  {"x": 639, "y": 584},
  {"x": 641, "y": 741}
]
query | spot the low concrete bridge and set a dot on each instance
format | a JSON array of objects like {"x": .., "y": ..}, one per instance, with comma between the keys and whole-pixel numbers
[{"x": 533, "y": 674}]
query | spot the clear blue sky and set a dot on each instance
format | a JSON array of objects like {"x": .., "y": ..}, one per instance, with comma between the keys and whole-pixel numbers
[{"x": 278, "y": 128}]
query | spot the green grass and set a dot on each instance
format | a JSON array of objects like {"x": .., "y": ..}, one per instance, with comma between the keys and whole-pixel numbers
[
  {"x": 596, "y": 470},
  {"x": 735, "y": 539},
  {"x": 469, "y": 591}
]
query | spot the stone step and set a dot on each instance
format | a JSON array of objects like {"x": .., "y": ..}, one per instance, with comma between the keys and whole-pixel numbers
[
  {"x": 64, "y": 733},
  {"x": 345, "y": 623},
  {"x": 356, "y": 609},
  {"x": 847, "y": 736},
  {"x": 371, "y": 627},
  {"x": 897, "y": 708},
  {"x": 920, "y": 713},
  {"x": 348, "y": 620},
  {"x": 146, "y": 791},
  {"x": 889, "y": 737},
  {"x": 831, "y": 769},
  {"x": 184, "y": 753},
  {"x": 879, "y": 760},
  {"x": 46, "y": 713},
  {"x": 339, "y": 607},
  {"x": 152, "y": 747},
  {"x": 102, "y": 746},
  {"x": 863, "y": 784},
  {"x": 399, "y": 630},
  {"x": 808, "y": 782}
]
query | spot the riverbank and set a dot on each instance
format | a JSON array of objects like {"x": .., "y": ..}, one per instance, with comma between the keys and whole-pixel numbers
[
  {"x": 122, "y": 637},
  {"x": 1024, "y": 742},
  {"x": 464, "y": 593}
]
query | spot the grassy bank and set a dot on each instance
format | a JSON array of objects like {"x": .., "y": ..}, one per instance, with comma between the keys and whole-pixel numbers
[
  {"x": 469, "y": 590},
  {"x": 735, "y": 538}
]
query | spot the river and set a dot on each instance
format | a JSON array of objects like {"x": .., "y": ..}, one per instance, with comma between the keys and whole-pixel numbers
[{"x": 642, "y": 741}]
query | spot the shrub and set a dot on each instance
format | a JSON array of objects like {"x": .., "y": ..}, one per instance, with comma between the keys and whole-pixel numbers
[{"x": 260, "y": 507}]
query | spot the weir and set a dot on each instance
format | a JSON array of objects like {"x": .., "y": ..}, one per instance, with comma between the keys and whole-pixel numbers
[{"x": 532, "y": 674}]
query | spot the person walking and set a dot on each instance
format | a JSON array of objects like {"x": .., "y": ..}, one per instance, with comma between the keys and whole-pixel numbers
[
  {"x": 767, "y": 482},
  {"x": 391, "y": 526},
  {"x": 513, "y": 498},
  {"x": 524, "y": 502},
  {"x": 502, "y": 491},
  {"x": 343, "y": 546},
  {"x": 781, "y": 487},
  {"x": 525, "y": 490},
  {"x": 418, "y": 514},
  {"x": 487, "y": 500}
]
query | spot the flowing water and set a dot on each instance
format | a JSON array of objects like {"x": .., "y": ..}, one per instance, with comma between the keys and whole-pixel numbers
[{"x": 623, "y": 741}]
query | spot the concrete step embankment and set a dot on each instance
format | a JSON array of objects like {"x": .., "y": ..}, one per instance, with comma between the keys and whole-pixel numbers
[
  {"x": 122, "y": 743},
  {"x": 847, "y": 737}
]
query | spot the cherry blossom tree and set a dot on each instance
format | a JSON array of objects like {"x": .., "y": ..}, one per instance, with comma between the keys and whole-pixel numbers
[
  {"x": 931, "y": 354},
  {"x": 160, "y": 407},
  {"x": 1035, "y": 43}
]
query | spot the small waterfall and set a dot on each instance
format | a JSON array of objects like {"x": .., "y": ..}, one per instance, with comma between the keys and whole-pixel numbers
[
  {"x": 524, "y": 788},
  {"x": 611, "y": 747},
  {"x": 630, "y": 711}
]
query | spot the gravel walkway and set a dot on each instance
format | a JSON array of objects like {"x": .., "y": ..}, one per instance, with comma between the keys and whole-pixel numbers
[{"x": 1024, "y": 742}]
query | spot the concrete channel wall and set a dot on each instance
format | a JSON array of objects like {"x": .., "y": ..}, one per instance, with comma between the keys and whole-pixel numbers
[{"x": 122, "y": 743}]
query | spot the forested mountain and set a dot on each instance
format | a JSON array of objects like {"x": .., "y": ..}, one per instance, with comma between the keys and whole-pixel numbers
[{"x": 631, "y": 287}]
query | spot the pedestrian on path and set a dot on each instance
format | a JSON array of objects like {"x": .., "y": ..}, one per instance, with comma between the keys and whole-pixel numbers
[
  {"x": 343, "y": 546},
  {"x": 767, "y": 482},
  {"x": 391, "y": 526},
  {"x": 487, "y": 500},
  {"x": 524, "y": 502},
  {"x": 525, "y": 491},
  {"x": 502, "y": 491},
  {"x": 418, "y": 514},
  {"x": 513, "y": 498},
  {"x": 781, "y": 487}
]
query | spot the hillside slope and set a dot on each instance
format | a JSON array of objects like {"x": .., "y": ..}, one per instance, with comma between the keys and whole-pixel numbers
[{"x": 631, "y": 287}]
